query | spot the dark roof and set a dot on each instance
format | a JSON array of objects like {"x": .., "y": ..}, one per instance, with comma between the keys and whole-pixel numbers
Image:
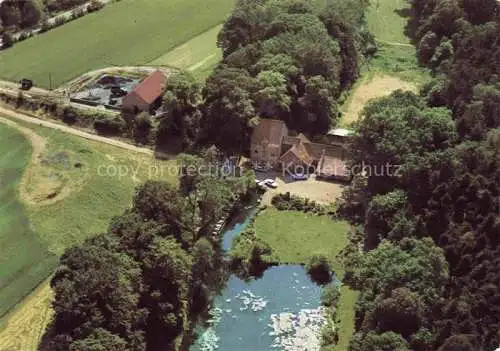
[
  {"x": 269, "y": 130},
  {"x": 329, "y": 166},
  {"x": 151, "y": 87},
  {"x": 316, "y": 150}
]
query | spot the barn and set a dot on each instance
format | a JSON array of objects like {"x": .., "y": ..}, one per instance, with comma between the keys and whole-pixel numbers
[{"x": 146, "y": 96}]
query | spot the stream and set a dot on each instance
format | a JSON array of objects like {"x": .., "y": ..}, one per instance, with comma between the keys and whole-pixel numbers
[{"x": 280, "y": 311}]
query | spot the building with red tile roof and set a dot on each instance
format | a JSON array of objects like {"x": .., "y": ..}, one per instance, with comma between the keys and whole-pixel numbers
[
  {"x": 146, "y": 95},
  {"x": 273, "y": 147}
]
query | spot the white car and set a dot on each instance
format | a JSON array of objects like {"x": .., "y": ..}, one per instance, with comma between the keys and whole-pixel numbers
[
  {"x": 271, "y": 183},
  {"x": 260, "y": 183}
]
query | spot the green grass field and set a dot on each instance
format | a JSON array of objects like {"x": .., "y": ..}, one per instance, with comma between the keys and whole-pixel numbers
[
  {"x": 345, "y": 314},
  {"x": 400, "y": 61},
  {"x": 38, "y": 234},
  {"x": 199, "y": 55},
  {"x": 24, "y": 259},
  {"x": 295, "y": 236},
  {"x": 385, "y": 23},
  {"x": 129, "y": 32}
]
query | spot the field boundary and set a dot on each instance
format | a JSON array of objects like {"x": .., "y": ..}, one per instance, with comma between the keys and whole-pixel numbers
[{"x": 73, "y": 131}]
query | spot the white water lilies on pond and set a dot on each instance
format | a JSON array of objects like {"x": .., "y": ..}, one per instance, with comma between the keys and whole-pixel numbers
[{"x": 298, "y": 332}]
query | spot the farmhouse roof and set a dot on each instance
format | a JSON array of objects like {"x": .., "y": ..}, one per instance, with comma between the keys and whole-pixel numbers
[
  {"x": 300, "y": 152},
  {"x": 270, "y": 131},
  {"x": 151, "y": 87},
  {"x": 317, "y": 150},
  {"x": 331, "y": 166}
]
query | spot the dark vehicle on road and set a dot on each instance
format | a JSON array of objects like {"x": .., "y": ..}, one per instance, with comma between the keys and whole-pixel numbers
[{"x": 25, "y": 84}]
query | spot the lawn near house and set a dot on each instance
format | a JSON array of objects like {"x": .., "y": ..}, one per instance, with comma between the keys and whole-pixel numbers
[
  {"x": 125, "y": 33},
  {"x": 295, "y": 236}
]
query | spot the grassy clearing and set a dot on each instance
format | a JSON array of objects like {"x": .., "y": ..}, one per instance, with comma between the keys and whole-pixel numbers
[
  {"x": 372, "y": 87},
  {"x": 385, "y": 23},
  {"x": 129, "y": 32},
  {"x": 295, "y": 236},
  {"x": 24, "y": 259},
  {"x": 101, "y": 187},
  {"x": 400, "y": 61},
  {"x": 198, "y": 55},
  {"x": 345, "y": 314}
]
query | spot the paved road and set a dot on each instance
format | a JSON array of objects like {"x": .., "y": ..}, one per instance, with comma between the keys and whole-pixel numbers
[{"x": 73, "y": 131}]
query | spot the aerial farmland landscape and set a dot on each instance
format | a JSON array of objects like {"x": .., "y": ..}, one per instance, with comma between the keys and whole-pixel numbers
[{"x": 291, "y": 175}]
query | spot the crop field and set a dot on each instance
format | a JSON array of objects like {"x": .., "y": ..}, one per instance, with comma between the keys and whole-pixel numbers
[
  {"x": 71, "y": 194},
  {"x": 24, "y": 259},
  {"x": 129, "y": 32},
  {"x": 199, "y": 55}
]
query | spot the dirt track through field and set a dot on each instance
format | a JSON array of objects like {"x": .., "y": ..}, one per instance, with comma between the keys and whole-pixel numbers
[
  {"x": 69, "y": 130},
  {"x": 378, "y": 86}
]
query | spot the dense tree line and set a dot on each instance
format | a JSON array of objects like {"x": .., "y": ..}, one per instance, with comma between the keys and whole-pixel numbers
[
  {"x": 443, "y": 201},
  {"x": 15, "y": 14},
  {"x": 282, "y": 59},
  {"x": 460, "y": 41},
  {"x": 141, "y": 284},
  {"x": 21, "y": 14}
]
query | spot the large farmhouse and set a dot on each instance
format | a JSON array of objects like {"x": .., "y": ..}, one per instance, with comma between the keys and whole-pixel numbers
[
  {"x": 272, "y": 146},
  {"x": 146, "y": 96}
]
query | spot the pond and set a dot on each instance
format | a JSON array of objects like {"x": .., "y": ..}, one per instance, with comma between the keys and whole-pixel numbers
[{"x": 280, "y": 311}]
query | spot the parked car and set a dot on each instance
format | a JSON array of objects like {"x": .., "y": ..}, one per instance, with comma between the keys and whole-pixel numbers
[
  {"x": 271, "y": 183},
  {"x": 261, "y": 184},
  {"x": 299, "y": 176}
]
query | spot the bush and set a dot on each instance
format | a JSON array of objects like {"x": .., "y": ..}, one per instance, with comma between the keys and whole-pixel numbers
[
  {"x": 287, "y": 202},
  {"x": 95, "y": 5},
  {"x": 46, "y": 26},
  {"x": 59, "y": 21},
  {"x": 77, "y": 13},
  {"x": 329, "y": 335},
  {"x": 330, "y": 296},
  {"x": 7, "y": 40},
  {"x": 319, "y": 269},
  {"x": 22, "y": 36},
  {"x": 109, "y": 126},
  {"x": 67, "y": 114}
]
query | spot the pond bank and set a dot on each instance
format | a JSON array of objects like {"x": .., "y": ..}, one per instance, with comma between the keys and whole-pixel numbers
[{"x": 281, "y": 310}]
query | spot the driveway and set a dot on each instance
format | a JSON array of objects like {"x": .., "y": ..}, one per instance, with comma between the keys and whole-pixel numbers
[{"x": 321, "y": 191}]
